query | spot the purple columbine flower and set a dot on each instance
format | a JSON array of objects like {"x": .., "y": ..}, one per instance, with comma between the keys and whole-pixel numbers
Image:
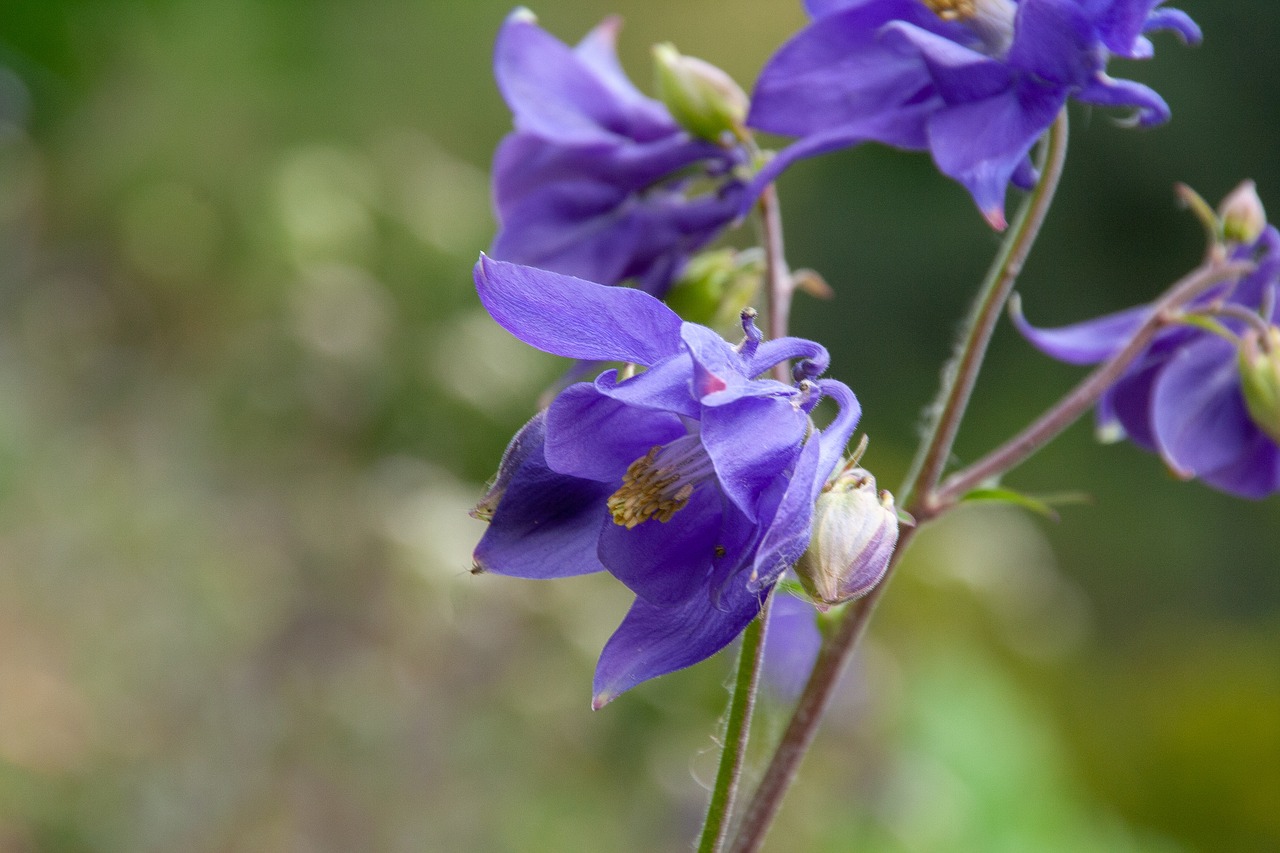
[
  {"x": 1183, "y": 398},
  {"x": 976, "y": 82},
  {"x": 693, "y": 482},
  {"x": 597, "y": 181}
]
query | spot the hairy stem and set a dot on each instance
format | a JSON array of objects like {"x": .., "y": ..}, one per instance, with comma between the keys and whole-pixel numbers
[
  {"x": 741, "y": 704},
  {"x": 927, "y": 468},
  {"x": 962, "y": 371}
]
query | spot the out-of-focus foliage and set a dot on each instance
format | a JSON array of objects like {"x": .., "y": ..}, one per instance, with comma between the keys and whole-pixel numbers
[{"x": 247, "y": 396}]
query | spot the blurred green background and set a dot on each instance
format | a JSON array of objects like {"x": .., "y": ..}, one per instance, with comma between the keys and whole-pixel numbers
[{"x": 247, "y": 397}]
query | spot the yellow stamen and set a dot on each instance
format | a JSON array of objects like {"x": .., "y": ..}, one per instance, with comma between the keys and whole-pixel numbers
[
  {"x": 649, "y": 491},
  {"x": 953, "y": 10}
]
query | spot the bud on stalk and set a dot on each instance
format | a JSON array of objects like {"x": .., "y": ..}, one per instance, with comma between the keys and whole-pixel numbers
[{"x": 855, "y": 530}]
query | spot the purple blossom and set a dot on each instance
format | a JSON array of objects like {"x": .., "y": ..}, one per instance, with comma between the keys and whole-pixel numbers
[
  {"x": 975, "y": 82},
  {"x": 597, "y": 179},
  {"x": 1183, "y": 397},
  {"x": 693, "y": 482}
]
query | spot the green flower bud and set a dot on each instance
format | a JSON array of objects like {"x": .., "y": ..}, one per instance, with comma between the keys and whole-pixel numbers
[
  {"x": 1260, "y": 378},
  {"x": 702, "y": 98},
  {"x": 715, "y": 286},
  {"x": 1241, "y": 213},
  {"x": 855, "y": 530}
]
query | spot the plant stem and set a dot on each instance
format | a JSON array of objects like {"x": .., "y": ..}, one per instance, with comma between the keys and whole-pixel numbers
[
  {"x": 779, "y": 290},
  {"x": 837, "y": 646},
  {"x": 926, "y": 470},
  {"x": 962, "y": 371},
  {"x": 779, "y": 285},
  {"x": 1063, "y": 413},
  {"x": 741, "y": 704}
]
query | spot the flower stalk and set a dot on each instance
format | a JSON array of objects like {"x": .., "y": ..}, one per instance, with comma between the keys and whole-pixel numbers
[{"x": 838, "y": 645}]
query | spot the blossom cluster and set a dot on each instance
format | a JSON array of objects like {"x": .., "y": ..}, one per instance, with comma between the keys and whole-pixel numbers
[{"x": 693, "y": 470}]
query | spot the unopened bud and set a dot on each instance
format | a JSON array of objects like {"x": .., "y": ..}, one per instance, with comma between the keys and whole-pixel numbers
[
  {"x": 855, "y": 529},
  {"x": 1241, "y": 213},
  {"x": 715, "y": 286},
  {"x": 1260, "y": 378},
  {"x": 702, "y": 98}
]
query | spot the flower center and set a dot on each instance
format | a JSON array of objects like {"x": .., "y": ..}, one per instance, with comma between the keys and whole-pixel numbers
[
  {"x": 990, "y": 20},
  {"x": 659, "y": 484}
]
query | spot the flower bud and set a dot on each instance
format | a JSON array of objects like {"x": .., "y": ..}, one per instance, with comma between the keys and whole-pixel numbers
[
  {"x": 854, "y": 533},
  {"x": 1260, "y": 378},
  {"x": 702, "y": 98},
  {"x": 715, "y": 286},
  {"x": 1241, "y": 214}
]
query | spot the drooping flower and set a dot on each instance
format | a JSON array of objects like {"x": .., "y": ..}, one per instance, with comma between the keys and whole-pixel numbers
[
  {"x": 597, "y": 180},
  {"x": 693, "y": 482},
  {"x": 1187, "y": 397},
  {"x": 974, "y": 82}
]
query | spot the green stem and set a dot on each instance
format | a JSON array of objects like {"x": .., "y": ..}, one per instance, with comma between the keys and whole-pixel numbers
[
  {"x": 962, "y": 371},
  {"x": 927, "y": 469},
  {"x": 741, "y": 704}
]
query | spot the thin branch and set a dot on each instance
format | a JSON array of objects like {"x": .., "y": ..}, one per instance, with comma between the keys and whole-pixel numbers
[
  {"x": 1065, "y": 412},
  {"x": 962, "y": 372}
]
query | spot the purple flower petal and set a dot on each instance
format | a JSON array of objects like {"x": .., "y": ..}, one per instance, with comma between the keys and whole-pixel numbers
[
  {"x": 1054, "y": 41},
  {"x": 653, "y": 641},
  {"x": 1107, "y": 92},
  {"x": 981, "y": 144},
  {"x": 575, "y": 318},
  {"x": 1255, "y": 473},
  {"x": 1197, "y": 409},
  {"x": 751, "y": 441},
  {"x": 1088, "y": 342},
  {"x": 663, "y": 387},
  {"x": 596, "y": 437},
  {"x": 666, "y": 562},
  {"x": 545, "y": 525},
  {"x": 837, "y": 71}
]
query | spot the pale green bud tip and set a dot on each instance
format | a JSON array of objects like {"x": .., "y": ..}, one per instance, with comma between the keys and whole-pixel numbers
[
  {"x": 702, "y": 98},
  {"x": 855, "y": 529},
  {"x": 522, "y": 14},
  {"x": 1260, "y": 378},
  {"x": 1242, "y": 215}
]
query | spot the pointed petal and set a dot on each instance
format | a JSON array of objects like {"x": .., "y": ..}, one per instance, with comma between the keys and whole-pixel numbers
[
  {"x": 546, "y": 524},
  {"x": 1083, "y": 343},
  {"x": 653, "y": 641},
  {"x": 981, "y": 144},
  {"x": 665, "y": 563},
  {"x": 646, "y": 118},
  {"x": 593, "y": 436},
  {"x": 576, "y": 318}
]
